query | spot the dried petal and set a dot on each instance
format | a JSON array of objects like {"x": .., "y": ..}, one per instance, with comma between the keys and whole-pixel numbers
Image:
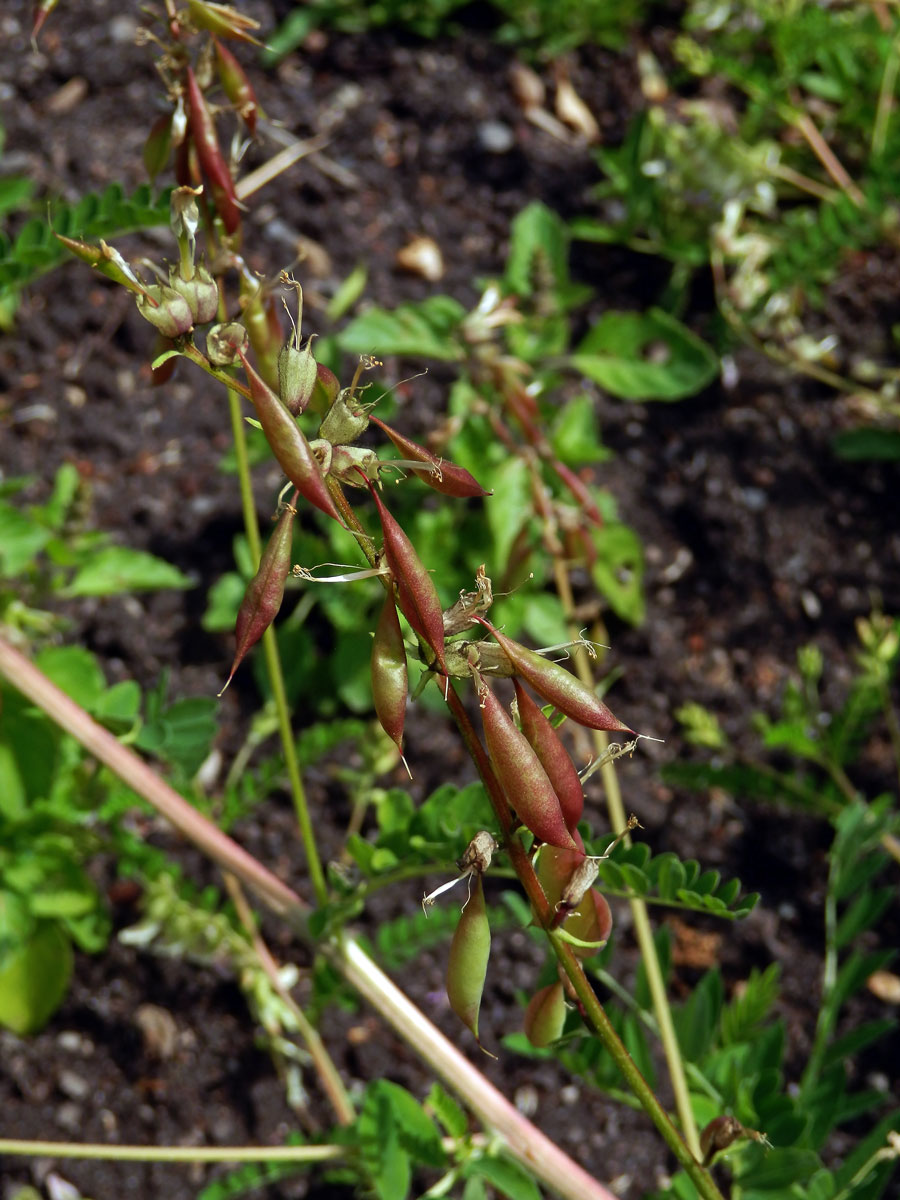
[
  {"x": 389, "y": 675},
  {"x": 289, "y": 445},
  {"x": 545, "y": 1015},
  {"x": 523, "y": 779},
  {"x": 416, "y": 593},
  {"x": 265, "y": 591},
  {"x": 443, "y": 476},
  {"x": 558, "y": 686},
  {"x": 469, "y": 954},
  {"x": 555, "y": 760}
]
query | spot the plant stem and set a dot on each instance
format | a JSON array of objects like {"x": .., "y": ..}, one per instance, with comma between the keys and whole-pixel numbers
[
  {"x": 827, "y": 1013},
  {"x": 642, "y": 929},
  {"x": 173, "y": 1154},
  {"x": 273, "y": 661},
  {"x": 592, "y": 1007},
  {"x": 525, "y": 1143}
]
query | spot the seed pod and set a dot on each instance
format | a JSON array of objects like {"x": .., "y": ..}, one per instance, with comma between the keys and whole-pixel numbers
[
  {"x": 389, "y": 675},
  {"x": 259, "y": 313},
  {"x": 469, "y": 954},
  {"x": 416, "y": 593},
  {"x": 201, "y": 294},
  {"x": 107, "y": 260},
  {"x": 237, "y": 86},
  {"x": 212, "y": 161},
  {"x": 524, "y": 781},
  {"x": 580, "y": 491},
  {"x": 226, "y": 343},
  {"x": 289, "y": 444},
  {"x": 223, "y": 20},
  {"x": 555, "y": 867},
  {"x": 265, "y": 591},
  {"x": 591, "y": 923},
  {"x": 545, "y": 1015},
  {"x": 443, "y": 476},
  {"x": 158, "y": 145},
  {"x": 297, "y": 376},
  {"x": 555, "y": 760},
  {"x": 558, "y": 686}
]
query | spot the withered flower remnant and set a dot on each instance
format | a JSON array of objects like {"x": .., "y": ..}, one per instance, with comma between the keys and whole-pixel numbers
[{"x": 227, "y": 343}]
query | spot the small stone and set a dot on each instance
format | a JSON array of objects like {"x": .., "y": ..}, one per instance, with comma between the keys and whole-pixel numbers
[{"x": 496, "y": 137}]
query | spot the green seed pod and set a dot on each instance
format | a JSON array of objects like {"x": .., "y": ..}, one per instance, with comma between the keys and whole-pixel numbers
[
  {"x": 416, "y": 593},
  {"x": 265, "y": 591},
  {"x": 591, "y": 922},
  {"x": 222, "y": 20},
  {"x": 212, "y": 161},
  {"x": 545, "y": 1015},
  {"x": 237, "y": 86},
  {"x": 259, "y": 314},
  {"x": 546, "y": 743},
  {"x": 558, "y": 686},
  {"x": 389, "y": 676},
  {"x": 297, "y": 375},
  {"x": 443, "y": 476},
  {"x": 325, "y": 391},
  {"x": 158, "y": 146},
  {"x": 469, "y": 954},
  {"x": 523, "y": 779},
  {"x": 289, "y": 445}
]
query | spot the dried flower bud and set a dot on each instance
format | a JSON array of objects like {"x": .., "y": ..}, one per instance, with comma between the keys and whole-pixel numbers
[
  {"x": 200, "y": 292},
  {"x": 348, "y": 461},
  {"x": 479, "y": 852},
  {"x": 226, "y": 343},
  {"x": 345, "y": 420},
  {"x": 165, "y": 309},
  {"x": 469, "y": 955},
  {"x": 297, "y": 375},
  {"x": 184, "y": 215}
]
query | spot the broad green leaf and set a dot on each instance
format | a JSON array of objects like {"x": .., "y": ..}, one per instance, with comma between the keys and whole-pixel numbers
[
  {"x": 508, "y": 509},
  {"x": 771, "y": 1169},
  {"x": 645, "y": 356},
  {"x": 34, "y": 979},
  {"x": 575, "y": 434},
  {"x": 21, "y": 540},
  {"x": 506, "y": 1176},
  {"x": 348, "y": 292},
  {"x": 671, "y": 877},
  {"x": 448, "y": 1112},
  {"x": 16, "y": 921},
  {"x": 119, "y": 705},
  {"x": 223, "y": 601},
  {"x": 76, "y": 671},
  {"x": 538, "y": 251},
  {"x": 13, "y": 797},
  {"x": 183, "y": 733},
  {"x": 426, "y": 330},
  {"x": 120, "y": 569},
  {"x": 618, "y": 572},
  {"x": 868, "y": 445}
]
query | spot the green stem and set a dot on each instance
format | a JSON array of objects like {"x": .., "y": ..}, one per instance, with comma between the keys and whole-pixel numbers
[
  {"x": 173, "y": 1154},
  {"x": 273, "y": 660},
  {"x": 827, "y": 1013},
  {"x": 642, "y": 929},
  {"x": 593, "y": 1010}
]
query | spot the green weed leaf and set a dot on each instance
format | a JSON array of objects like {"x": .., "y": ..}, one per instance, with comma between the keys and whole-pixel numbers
[
  {"x": 120, "y": 569},
  {"x": 34, "y": 978},
  {"x": 645, "y": 356},
  {"x": 426, "y": 330}
]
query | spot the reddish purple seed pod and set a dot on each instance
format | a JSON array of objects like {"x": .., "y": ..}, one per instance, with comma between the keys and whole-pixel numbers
[
  {"x": 209, "y": 153},
  {"x": 289, "y": 445},
  {"x": 545, "y": 1015},
  {"x": 416, "y": 593},
  {"x": 237, "y": 86},
  {"x": 523, "y": 779},
  {"x": 439, "y": 474},
  {"x": 558, "y": 686},
  {"x": 389, "y": 674},
  {"x": 555, "y": 760},
  {"x": 265, "y": 591}
]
